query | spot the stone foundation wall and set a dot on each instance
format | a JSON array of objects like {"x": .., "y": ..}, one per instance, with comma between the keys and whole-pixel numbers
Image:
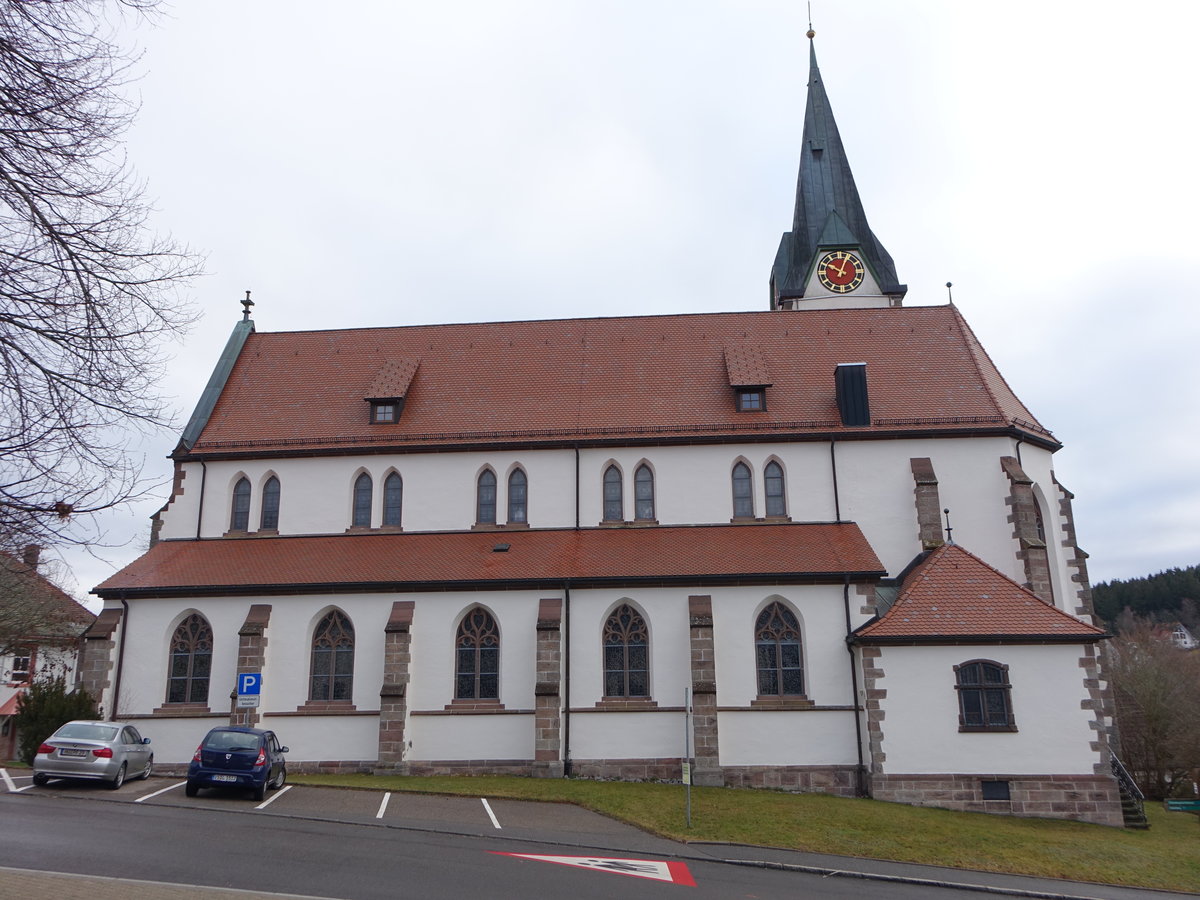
[
  {"x": 653, "y": 769},
  {"x": 838, "y": 781},
  {"x": 1094, "y": 799}
]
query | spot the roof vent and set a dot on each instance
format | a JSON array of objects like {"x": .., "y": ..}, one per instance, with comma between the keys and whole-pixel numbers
[
  {"x": 851, "y": 382},
  {"x": 500, "y": 548}
]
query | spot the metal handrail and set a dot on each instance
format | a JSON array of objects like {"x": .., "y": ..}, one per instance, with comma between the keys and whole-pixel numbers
[{"x": 1124, "y": 778}]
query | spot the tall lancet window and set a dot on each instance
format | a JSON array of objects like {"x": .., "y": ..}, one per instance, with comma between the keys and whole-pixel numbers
[
  {"x": 626, "y": 654},
  {"x": 362, "y": 501},
  {"x": 614, "y": 501},
  {"x": 269, "y": 521},
  {"x": 477, "y": 657},
  {"x": 239, "y": 519},
  {"x": 643, "y": 494},
  {"x": 777, "y": 652}
]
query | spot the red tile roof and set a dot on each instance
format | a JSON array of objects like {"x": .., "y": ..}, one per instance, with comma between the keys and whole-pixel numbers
[
  {"x": 56, "y": 613},
  {"x": 468, "y": 559},
  {"x": 642, "y": 378},
  {"x": 954, "y": 594}
]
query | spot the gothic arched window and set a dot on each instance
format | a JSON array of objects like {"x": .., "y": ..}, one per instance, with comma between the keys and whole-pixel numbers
[
  {"x": 332, "y": 658},
  {"x": 743, "y": 492},
  {"x": 614, "y": 499},
  {"x": 773, "y": 481},
  {"x": 269, "y": 520},
  {"x": 239, "y": 519},
  {"x": 393, "y": 496},
  {"x": 518, "y": 497},
  {"x": 485, "y": 498},
  {"x": 362, "y": 501},
  {"x": 477, "y": 657},
  {"x": 191, "y": 661},
  {"x": 777, "y": 652},
  {"x": 626, "y": 654},
  {"x": 643, "y": 494}
]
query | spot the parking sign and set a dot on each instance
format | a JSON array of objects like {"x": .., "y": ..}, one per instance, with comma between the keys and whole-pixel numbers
[{"x": 249, "y": 683}]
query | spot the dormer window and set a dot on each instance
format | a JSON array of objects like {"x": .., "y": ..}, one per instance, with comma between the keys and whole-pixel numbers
[
  {"x": 384, "y": 412},
  {"x": 751, "y": 400},
  {"x": 389, "y": 390}
]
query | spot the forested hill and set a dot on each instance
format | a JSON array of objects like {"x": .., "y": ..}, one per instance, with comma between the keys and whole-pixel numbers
[{"x": 1160, "y": 597}]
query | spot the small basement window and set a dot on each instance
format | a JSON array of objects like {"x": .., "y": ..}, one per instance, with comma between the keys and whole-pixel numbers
[
  {"x": 751, "y": 401},
  {"x": 995, "y": 790}
]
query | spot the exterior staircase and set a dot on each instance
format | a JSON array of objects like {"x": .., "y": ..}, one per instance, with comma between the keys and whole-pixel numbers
[{"x": 1133, "y": 806}]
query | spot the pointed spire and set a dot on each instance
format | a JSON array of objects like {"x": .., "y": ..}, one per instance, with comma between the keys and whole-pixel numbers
[{"x": 828, "y": 209}]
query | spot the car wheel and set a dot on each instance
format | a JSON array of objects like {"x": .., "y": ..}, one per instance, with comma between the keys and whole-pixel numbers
[
  {"x": 191, "y": 789},
  {"x": 119, "y": 779},
  {"x": 149, "y": 767},
  {"x": 282, "y": 777},
  {"x": 41, "y": 779},
  {"x": 260, "y": 791}
]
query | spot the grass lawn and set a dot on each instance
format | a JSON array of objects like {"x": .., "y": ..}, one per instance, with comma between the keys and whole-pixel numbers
[{"x": 1166, "y": 857}]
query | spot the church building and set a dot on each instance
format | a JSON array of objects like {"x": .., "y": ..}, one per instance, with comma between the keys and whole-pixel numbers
[{"x": 607, "y": 547}]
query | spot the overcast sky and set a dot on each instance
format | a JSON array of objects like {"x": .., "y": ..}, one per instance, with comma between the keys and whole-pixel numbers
[{"x": 395, "y": 163}]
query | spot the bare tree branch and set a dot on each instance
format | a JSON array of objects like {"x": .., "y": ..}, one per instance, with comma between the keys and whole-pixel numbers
[{"x": 87, "y": 293}]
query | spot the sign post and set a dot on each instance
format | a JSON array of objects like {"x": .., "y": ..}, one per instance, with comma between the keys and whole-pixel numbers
[
  {"x": 249, "y": 689},
  {"x": 687, "y": 751}
]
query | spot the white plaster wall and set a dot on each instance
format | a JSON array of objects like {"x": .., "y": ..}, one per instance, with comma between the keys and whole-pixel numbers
[
  {"x": 317, "y": 738},
  {"x": 920, "y": 729},
  {"x": 174, "y": 741},
  {"x": 470, "y": 737},
  {"x": 779, "y": 738},
  {"x": 619, "y": 735}
]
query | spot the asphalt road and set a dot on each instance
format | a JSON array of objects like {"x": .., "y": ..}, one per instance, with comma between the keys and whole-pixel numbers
[{"x": 361, "y": 845}]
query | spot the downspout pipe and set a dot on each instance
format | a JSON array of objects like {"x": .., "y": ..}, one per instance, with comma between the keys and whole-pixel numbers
[
  {"x": 837, "y": 505},
  {"x": 566, "y": 655},
  {"x": 860, "y": 777},
  {"x": 200, "y": 511}
]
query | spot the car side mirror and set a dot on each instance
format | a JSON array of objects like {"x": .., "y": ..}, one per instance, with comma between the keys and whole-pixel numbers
[
  {"x": 145, "y": 740},
  {"x": 284, "y": 750}
]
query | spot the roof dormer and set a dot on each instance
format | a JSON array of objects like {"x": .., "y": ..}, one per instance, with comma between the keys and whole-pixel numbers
[{"x": 388, "y": 391}]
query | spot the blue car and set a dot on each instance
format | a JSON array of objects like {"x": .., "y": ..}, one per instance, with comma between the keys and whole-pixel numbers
[{"x": 235, "y": 757}]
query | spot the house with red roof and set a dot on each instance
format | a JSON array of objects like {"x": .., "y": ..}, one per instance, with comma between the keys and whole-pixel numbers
[
  {"x": 607, "y": 547},
  {"x": 40, "y": 635}
]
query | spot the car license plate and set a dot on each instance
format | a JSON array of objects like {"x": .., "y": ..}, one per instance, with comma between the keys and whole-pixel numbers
[
  {"x": 62, "y": 752},
  {"x": 224, "y": 778}
]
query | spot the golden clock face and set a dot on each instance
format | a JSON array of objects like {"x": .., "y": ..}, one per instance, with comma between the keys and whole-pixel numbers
[{"x": 840, "y": 271}]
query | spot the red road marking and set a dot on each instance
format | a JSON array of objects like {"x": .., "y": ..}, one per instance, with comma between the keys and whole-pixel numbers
[{"x": 654, "y": 869}]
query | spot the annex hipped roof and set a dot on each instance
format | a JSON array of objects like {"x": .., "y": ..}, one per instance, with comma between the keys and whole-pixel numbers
[
  {"x": 470, "y": 560},
  {"x": 647, "y": 378},
  {"x": 954, "y": 595}
]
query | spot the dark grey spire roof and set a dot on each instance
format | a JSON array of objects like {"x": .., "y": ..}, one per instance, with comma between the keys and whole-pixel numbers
[{"x": 828, "y": 210}]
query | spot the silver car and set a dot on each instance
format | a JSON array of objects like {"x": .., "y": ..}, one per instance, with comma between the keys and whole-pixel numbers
[{"x": 101, "y": 751}]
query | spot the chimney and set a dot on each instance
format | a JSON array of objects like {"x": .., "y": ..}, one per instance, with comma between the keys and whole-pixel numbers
[
  {"x": 851, "y": 382},
  {"x": 32, "y": 556}
]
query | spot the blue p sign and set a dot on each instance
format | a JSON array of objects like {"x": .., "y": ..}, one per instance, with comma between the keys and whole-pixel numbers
[{"x": 249, "y": 683}]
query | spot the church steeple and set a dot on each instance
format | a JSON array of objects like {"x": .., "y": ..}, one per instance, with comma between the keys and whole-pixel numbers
[{"x": 829, "y": 217}]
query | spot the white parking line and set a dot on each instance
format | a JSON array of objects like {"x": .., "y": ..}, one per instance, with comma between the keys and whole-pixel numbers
[
  {"x": 491, "y": 815},
  {"x": 8, "y": 781},
  {"x": 280, "y": 793},
  {"x": 383, "y": 805},
  {"x": 169, "y": 787}
]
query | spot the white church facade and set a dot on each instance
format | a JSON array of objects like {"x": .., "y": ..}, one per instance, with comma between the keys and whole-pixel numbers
[{"x": 548, "y": 547}]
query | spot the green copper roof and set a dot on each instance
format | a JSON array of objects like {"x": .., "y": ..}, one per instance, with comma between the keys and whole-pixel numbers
[{"x": 828, "y": 210}]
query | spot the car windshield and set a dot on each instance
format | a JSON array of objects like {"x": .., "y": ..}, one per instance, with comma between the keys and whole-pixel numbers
[
  {"x": 83, "y": 731},
  {"x": 230, "y": 740}
]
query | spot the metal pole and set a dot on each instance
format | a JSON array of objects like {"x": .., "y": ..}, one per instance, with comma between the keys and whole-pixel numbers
[{"x": 687, "y": 750}]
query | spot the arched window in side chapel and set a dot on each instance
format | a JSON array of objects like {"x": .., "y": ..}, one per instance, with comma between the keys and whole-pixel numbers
[
  {"x": 191, "y": 661},
  {"x": 518, "y": 498},
  {"x": 485, "y": 498},
  {"x": 626, "y": 654},
  {"x": 332, "y": 675},
  {"x": 743, "y": 492},
  {"x": 477, "y": 657},
  {"x": 643, "y": 494},
  {"x": 777, "y": 652},
  {"x": 773, "y": 481}
]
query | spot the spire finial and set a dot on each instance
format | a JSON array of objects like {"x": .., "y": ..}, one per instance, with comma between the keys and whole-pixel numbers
[
  {"x": 246, "y": 304},
  {"x": 949, "y": 530},
  {"x": 811, "y": 34}
]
